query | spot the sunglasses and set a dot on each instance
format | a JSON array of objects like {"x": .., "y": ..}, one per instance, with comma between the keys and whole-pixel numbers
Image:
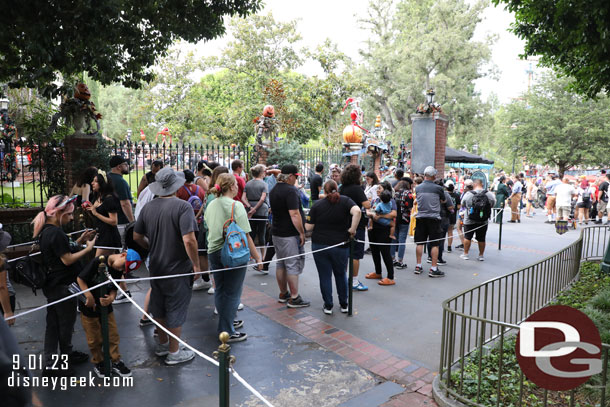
[{"x": 67, "y": 201}]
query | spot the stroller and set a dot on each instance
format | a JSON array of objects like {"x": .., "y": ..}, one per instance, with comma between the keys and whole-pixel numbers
[{"x": 572, "y": 220}]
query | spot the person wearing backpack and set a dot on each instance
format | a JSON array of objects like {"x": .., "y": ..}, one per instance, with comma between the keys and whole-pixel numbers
[
  {"x": 586, "y": 195},
  {"x": 477, "y": 204},
  {"x": 229, "y": 245}
]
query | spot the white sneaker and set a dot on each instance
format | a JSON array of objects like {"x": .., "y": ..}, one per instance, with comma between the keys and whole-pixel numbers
[
  {"x": 183, "y": 355},
  {"x": 481, "y": 258},
  {"x": 199, "y": 284},
  {"x": 120, "y": 298},
  {"x": 211, "y": 290},
  {"x": 464, "y": 256},
  {"x": 162, "y": 349}
]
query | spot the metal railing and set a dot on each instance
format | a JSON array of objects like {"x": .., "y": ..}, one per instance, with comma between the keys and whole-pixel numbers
[{"x": 480, "y": 320}]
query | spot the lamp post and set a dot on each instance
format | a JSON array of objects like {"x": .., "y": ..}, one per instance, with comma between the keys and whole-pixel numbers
[{"x": 430, "y": 96}]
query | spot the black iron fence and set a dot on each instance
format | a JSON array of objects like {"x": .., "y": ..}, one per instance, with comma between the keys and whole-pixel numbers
[{"x": 481, "y": 320}]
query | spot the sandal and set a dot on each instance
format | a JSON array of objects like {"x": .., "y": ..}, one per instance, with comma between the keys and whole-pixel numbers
[
  {"x": 386, "y": 281},
  {"x": 373, "y": 276}
]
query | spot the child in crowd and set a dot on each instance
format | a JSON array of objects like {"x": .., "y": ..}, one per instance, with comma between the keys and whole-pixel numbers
[
  {"x": 382, "y": 206},
  {"x": 90, "y": 315}
]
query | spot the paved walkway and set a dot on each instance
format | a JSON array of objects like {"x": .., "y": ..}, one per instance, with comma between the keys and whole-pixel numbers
[{"x": 304, "y": 357}]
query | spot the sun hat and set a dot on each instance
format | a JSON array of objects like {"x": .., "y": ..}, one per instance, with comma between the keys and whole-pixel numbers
[{"x": 167, "y": 181}]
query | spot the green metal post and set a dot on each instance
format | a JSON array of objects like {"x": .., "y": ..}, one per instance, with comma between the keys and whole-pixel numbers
[
  {"x": 350, "y": 280},
  {"x": 500, "y": 229},
  {"x": 225, "y": 360},
  {"x": 605, "y": 266},
  {"x": 101, "y": 277}
]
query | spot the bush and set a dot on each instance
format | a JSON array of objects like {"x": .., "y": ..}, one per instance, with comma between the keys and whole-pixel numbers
[{"x": 284, "y": 153}]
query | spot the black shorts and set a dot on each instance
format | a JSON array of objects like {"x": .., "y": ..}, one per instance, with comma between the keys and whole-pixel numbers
[
  {"x": 428, "y": 229},
  {"x": 358, "y": 246},
  {"x": 258, "y": 225},
  {"x": 202, "y": 240},
  {"x": 584, "y": 205},
  {"x": 478, "y": 229}
]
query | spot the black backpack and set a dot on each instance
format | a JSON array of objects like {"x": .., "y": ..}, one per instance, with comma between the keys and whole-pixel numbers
[{"x": 480, "y": 210}]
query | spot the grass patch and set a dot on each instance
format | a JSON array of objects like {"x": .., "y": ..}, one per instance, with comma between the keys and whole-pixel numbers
[{"x": 591, "y": 295}]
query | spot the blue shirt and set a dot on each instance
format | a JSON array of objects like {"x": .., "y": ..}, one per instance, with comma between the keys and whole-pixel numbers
[{"x": 382, "y": 208}]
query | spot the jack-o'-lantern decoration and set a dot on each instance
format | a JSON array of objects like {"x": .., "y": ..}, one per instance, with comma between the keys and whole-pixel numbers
[
  {"x": 378, "y": 121},
  {"x": 269, "y": 111},
  {"x": 82, "y": 92},
  {"x": 352, "y": 134},
  {"x": 142, "y": 135}
]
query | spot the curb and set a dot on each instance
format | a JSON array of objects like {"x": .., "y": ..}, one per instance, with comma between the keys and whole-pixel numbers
[{"x": 441, "y": 398}]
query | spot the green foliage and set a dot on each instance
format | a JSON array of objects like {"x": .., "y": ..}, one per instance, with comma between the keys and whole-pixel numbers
[
  {"x": 571, "y": 37},
  {"x": 116, "y": 41},
  {"x": 8, "y": 201},
  {"x": 552, "y": 125},
  {"x": 97, "y": 157},
  {"x": 590, "y": 283},
  {"x": 284, "y": 153}
]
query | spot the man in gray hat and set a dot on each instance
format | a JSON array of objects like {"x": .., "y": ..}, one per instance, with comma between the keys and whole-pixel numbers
[
  {"x": 428, "y": 220},
  {"x": 166, "y": 226}
]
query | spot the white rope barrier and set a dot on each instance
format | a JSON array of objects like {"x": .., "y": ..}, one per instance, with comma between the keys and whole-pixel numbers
[
  {"x": 196, "y": 351},
  {"x": 32, "y": 242}
]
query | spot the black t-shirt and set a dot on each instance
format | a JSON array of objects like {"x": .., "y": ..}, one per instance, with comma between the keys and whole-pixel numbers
[
  {"x": 356, "y": 193},
  {"x": 108, "y": 235},
  {"x": 315, "y": 184},
  {"x": 332, "y": 221},
  {"x": 150, "y": 177},
  {"x": 54, "y": 243},
  {"x": 89, "y": 276},
  {"x": 282, "y": 198},
  {"x": 604, "y": 188}
]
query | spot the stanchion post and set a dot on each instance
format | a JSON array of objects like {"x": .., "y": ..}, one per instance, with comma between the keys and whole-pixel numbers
[
  {"x": 101, "y": 277},
  {"x": 500, "y": 229},
  {"x": 350, "y": 280},
  {"x": 225, "y": 360}
]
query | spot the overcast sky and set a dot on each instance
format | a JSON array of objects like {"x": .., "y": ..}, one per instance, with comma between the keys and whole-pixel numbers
[{"x": 334, "y": 19}]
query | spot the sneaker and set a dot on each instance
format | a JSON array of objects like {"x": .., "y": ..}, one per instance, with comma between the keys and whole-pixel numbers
[
  {"x": 344, "y": 309},
  {"x": 373, "y": 276},
  {"x": 418, "y": 270},
  {"x": 464, "y": 256},
  {"x": 598, "y": 222},
  {"x": 401, "y": 265},
  {"x": 199, "y": 284},
  {"x": 238, "y": 323},
  {"x": 262, "y": 271},
  {"x": 284, "y": 297},
  {"x": 183, "y": 355},
  {"x": 240, "y": 306},
  {"x": 297, "y": 302},
  {"x": 328, "y": 311},
  {"x": 448, "y": 249},
  {"x": 429, "y": 260},
  {"x": 77, "y": 357},
  {"x": 121, "y": 299},
  {"x": 98, "y": 369},
  {"x": 441, "y": 262},
  {"x": 120, "y": 369},
  {"x": 436, "y": 273},
  {"x": 162, "y": 349},
  {"x": 386, "y": 281},
  {"x": 395, "y": 263},
  {"x": 360, "y": 287},
  {"x": 481, "y": 258},
  {"x": 211, "y": 290},
  {"x": 145, "y": 322},
  {"x": 238, "y": 337},
  {"x": 460, "y": 246}
]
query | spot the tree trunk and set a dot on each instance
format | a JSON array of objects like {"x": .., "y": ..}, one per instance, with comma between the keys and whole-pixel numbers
[{"x": 387, "y": 113}]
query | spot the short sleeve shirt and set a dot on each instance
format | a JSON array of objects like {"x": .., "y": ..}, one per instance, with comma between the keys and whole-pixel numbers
[
  {"x": 89, "y": 277},
  {"x": 467, "y": 204},
  {"x": 604, "y": 188},
  {"x": 121, "y": 187},
  {"x": 108, "y": 235},
  {"x": 254, "y": 190},
  {"x": 283, "y": 198},
  {"x": 165, "y": 221},
  {"x": 315, "y": 185},
  {"x": 331, "y": 221},
  {"x": 241, "y": 185},
  {"x": 54, "y": 243},
  {"x": 429, "y": 196},
  {"x": 356, "y": 193},
  {"x": 216, "y": 215}
]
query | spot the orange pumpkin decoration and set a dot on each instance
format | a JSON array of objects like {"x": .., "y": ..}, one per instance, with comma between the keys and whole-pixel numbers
[
  {"x": 82, "y": 92},
  {"x": 269, "y": 111},
  {"x": 352, "y": 134}
]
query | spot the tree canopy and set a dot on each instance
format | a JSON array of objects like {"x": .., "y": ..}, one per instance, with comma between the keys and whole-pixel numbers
[
  {"x": 552, "y": 125},
  {"x": 573, "y": 37},
  {"x": 113, "y": 41}
]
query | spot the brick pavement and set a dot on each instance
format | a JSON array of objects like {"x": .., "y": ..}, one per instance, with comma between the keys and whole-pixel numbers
[{"x": 416, "y": 380}]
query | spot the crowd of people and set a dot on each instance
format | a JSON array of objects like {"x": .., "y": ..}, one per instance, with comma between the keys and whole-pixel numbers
[{"x": 179, "y": 226}]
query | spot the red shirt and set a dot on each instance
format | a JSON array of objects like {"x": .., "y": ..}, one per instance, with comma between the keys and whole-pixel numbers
[
  {"x": 184, "y": 195},
  {"x": 241, "y": 185}
]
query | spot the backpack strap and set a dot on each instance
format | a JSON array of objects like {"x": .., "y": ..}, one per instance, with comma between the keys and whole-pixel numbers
[
  {"x": 232, "y": 210},
  {"x": 188, "y": 191}
]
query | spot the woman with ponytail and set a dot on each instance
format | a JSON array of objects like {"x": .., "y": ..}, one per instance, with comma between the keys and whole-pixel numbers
[
  {"x": 229, "y": 283},
  {"x": 61, "y": 265},
  {"x": 333, "y": 220}
]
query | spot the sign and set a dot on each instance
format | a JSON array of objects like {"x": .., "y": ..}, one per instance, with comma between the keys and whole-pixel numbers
[
  {"x": 480, "y": 175},
  {"x": 559, "y": 348}
]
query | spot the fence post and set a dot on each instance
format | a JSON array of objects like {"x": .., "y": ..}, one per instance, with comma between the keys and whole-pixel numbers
[
  {"x": 350, "y": 280},
  {"x": 101, "y": 277},
  {"x": 225, "y": 360},
  {"x": 605, "y": 266},
  {"x": 501, "y": 214}
]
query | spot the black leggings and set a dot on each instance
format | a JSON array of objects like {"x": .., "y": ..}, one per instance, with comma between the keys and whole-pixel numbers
[
  {"x": 60, "y": 322},
  {"x": 381, "y": 234}
]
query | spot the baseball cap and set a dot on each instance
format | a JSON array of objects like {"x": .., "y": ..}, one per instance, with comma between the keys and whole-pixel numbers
[
  {"x": 117, "y": 160},
  {"x": 430, "y": 171},
  {"x": 290, "y": 169},
  {"x": 132, "y": 260}
]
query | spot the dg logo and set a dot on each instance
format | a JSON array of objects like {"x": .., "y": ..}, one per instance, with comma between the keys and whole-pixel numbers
[{"x": 559, "y": 348}]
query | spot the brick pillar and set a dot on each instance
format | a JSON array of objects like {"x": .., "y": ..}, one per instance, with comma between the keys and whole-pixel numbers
[
  {"x": 73, "y": 147},
  {"x": 429, "y": 140},
  {"x": 262, "y": 154},
  {"x": 440, "y": 145}
]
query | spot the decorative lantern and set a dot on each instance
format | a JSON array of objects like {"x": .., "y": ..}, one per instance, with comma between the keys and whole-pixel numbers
[
  {"x": 378, "y": 121},
  {"x": 352, "y": 134},
  {"x": 82, "y": 92},
  {"x": 269, "y": 111}
]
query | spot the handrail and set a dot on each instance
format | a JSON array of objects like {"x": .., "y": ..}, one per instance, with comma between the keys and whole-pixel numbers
[{"x": 489, "y": 312}]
